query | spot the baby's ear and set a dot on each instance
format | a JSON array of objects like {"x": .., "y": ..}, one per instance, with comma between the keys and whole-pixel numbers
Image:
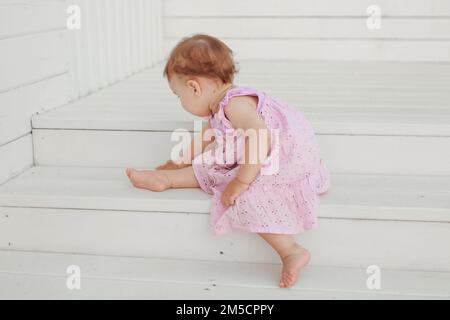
[{"x": 194, "y": 86}]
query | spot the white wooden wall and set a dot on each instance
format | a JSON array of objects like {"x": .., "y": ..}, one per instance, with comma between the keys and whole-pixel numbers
[
  {"x": 117, "y": 39},
  {"x": 33, "y": 74},
  {"x": 44, "y": 65},
  {"x": 410, "y": 30}
]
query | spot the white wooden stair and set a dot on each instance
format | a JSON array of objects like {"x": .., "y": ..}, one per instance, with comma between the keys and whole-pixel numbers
[
  {"x": 31, "y": 275},
  {"x": 396, "y": 113},
  {"x": 384, "y": 132}
]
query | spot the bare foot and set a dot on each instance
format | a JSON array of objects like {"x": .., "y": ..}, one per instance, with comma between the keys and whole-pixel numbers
[
  {"x": 151, "y": 180},
  {"x": 292, "y": 265}
]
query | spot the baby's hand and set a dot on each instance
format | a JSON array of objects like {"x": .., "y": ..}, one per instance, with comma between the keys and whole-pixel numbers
[
  {"x": 170, "y": 165},
  {"x": 232, "y": 191}
]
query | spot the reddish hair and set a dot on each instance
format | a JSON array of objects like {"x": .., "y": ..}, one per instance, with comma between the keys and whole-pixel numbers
[{"x": 201, "y": 55}]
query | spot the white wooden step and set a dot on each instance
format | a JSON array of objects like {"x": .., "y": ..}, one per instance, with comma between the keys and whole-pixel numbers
[
  {"x": 339, "y": 98},
  {"x": 342, "y": 153},
  {"x": 391, "y": 221},
  {"x": 31, "y": 275},
  {"x": 369, "y": 117}
]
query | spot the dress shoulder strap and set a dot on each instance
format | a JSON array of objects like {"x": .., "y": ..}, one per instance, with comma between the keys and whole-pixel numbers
[{"x": 236, "y": 91}]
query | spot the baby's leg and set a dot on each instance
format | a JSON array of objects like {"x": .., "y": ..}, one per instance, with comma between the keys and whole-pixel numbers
[
  {"x": 160, "y": 180},
  {"x": 293, "y": 256}
]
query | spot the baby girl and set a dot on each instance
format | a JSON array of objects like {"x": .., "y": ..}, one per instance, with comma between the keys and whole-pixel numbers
[{"x": 275, "y": 196}]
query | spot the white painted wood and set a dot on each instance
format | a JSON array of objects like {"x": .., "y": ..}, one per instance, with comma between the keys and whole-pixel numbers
[
  {"x": 118, "y": 51},
  {"x": 97, "y": 44},
  {"x": 36, "y": 49},
  {"x": 159, "y": 42},
  {"x": 33, "y": 74},
  {"x": 146, "y": 149},
  {"x": 365, "y": 98},
  {"x": 403, "y": 8},
  {"x": 23, "y": 17},
  {"x": 19, "y": 104},
  {"x": 133, "y": 41},
  {"x": 157, "y": 31},
  {"x": 100, "y": 148},
  {"x": 75, "y": 55},
  {"x": 344, "y": 242},
  {"x": 43, "y": 276},
  {"x": 353, "y": 68},
  {"x": 420, "y": 88},
  {"x": 397, "y": 114},
  {"x": 363, "y": 70},
  {"x": 360, "y": 223},
  {"x": 127, "y": 37},
  {"x": 386, "y": 154},
  {"x": 316, "y": 30},
  {"x": 104, "y": 27},
  {"x": 307, "y": 28},
  {"x": 22, "y": 287},
  {"x": 336, "y": 50},
  {"x": 110, "y": 44},
  {"x": 139, "y": 43},
  {"x": 144, "y": 114},
  {"x": 15, "y": 157},
  {"x": 371, "y": 195},
  {"x": 153, "y": 31},
  {"x": 31, "y": 58},
  {"x": 146, "y": 30},
  {"x": 396, "y": 79}
]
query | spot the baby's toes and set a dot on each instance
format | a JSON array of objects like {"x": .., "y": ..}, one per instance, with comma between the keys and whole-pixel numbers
[
  {"x": 128, "y": 172},
  {"x": 288, "y": 279},
  {"x": 133, "y": 176}
]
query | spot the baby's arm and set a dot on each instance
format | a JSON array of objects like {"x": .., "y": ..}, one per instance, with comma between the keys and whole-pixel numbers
[
  {"x": 199, "y": 140},
  {"x": 243, "y": 115}
]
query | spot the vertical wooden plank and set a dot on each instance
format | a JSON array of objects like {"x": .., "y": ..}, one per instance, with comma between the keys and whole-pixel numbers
[
  {"x": 136, "y": 36},
  {"x": 75, "y": 56},
  {"x": 100, "y": 28},
  {"x": 148, "y": 38},
  {"x": 131, "y": 34},
  {"x": 114, "y": 67},
  {"x": 159, "y": 42},
  {"x": 140, "y": 30},
  {"x": 72, "y": 42},
  {"x": 127, "y": 42},
  {"x": 118, "y": 35},
  {"x": 107, "y": 8},
  {"x": 117, "y": 38},
  {"x": 124, "y": 42},
  {"x": 80, "y": 54},
  {"x": 153, "y": 31},
  {"x": 94, "y": 47},
  {"x": 138, "y": 25},
  {"x": 85, "y": 66},
  {"x": 85, "y": 70}
]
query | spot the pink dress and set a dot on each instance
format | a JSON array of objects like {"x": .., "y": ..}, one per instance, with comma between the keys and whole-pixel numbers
[{"x": 284, "y": 196}]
